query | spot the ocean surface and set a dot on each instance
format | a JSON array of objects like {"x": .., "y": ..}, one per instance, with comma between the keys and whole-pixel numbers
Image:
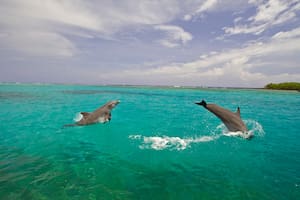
[{"x": 158, "y": 145}]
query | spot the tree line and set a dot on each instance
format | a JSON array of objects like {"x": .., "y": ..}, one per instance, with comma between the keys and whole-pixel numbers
[{"x": 283, "y": 86}]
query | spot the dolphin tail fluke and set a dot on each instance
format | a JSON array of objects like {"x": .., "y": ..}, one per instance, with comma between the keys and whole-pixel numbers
[
  {"x": 202, "y": 103},
  {"x": 238, "y": 112}
]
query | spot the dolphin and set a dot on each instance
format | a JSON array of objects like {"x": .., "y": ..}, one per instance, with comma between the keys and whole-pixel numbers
[
  {"x": 232, "y": 120},
  {"x": 101, "y": 115}
]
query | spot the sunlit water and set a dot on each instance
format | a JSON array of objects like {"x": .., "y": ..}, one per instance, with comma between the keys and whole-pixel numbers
[{"x": 158, "y": 145}]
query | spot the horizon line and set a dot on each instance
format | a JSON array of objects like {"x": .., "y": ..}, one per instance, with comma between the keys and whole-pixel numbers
[{"x": 130, "y": 85}]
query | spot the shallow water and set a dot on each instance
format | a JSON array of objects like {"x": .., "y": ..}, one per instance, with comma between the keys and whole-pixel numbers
[{"x": 158, "y": 145}]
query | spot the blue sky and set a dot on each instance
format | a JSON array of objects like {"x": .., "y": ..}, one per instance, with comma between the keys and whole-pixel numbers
[{"x": 228, "y": 43}]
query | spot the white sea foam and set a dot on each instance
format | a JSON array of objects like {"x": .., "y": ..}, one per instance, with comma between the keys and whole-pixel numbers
[
  {"x": 177, "y": 143},
  {"x": 245, "y": 135},
  {"x": 164, "y": 142},
  {"x": 254, "y": 129},
  {"x": 78, "y": 117}
]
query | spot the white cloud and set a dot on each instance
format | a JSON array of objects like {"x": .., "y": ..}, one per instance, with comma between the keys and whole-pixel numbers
[
  {"x": 269, "y": 11},
  {"x": 87, "y": 18},
  {"x": 175, "y": 35},
  {"x": 62, "y": 27},
  {"x": 105, "y": 16},
  {"x": 58, "y": 18},
  {"x": 234, "y": 67},
  {"x": 199, "y": 8},
  {"x": 287, "y": 35},
  {"x": 268, "y": 14},
  {"x": 39, "y": 43},
  {"x": 207, "y": 5},
  {"x": 187, "y": 17}
]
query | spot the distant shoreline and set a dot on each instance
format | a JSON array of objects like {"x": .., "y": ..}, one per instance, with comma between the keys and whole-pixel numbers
[
  {"x": 147, "y": 86},
  {"x": 293, "y": 86},
  {"x": 130, "y": 85}
]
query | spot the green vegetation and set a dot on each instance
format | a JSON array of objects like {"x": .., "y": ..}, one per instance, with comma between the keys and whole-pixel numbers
[{"x": 284, "y": 86}]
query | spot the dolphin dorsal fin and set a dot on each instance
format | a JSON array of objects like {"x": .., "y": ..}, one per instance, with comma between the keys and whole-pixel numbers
[
  {"x": 238, "y": 112},
  {"x": 85, "y": 114}
]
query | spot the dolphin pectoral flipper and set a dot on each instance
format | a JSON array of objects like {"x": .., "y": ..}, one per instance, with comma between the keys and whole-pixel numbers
[{"x": 105, "y": 118}]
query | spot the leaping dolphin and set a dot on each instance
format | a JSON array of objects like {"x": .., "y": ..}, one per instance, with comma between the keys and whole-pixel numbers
[
  {"x": 232, "y": 120},
  {"x": 101, "y": 115}
]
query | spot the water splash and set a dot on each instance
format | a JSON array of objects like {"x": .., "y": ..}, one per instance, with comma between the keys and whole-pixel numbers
[
  {"x": 254, "y": 129},
  {"x": 177, "y": 143},
  {"x": 77, "y": 117},
  {"x": 164, "y": 142}
]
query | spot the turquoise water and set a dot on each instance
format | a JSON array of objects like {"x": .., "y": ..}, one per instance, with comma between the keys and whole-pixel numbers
[{"x": 158, "y": 145}]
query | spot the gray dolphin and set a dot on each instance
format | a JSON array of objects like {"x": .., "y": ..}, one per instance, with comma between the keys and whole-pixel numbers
[
  {"x": 232, "y": 120},
  {"x": 101, "y": 115}
]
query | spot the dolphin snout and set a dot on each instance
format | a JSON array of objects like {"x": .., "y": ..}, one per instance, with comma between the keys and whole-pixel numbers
[{"x": 116, "y": 102}]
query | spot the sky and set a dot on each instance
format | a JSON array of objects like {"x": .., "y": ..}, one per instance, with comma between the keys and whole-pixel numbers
[{"x": 216, "y": 43}]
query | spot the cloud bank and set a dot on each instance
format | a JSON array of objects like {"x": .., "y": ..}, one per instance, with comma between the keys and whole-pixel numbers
[{"x": 165, "y": 42}]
